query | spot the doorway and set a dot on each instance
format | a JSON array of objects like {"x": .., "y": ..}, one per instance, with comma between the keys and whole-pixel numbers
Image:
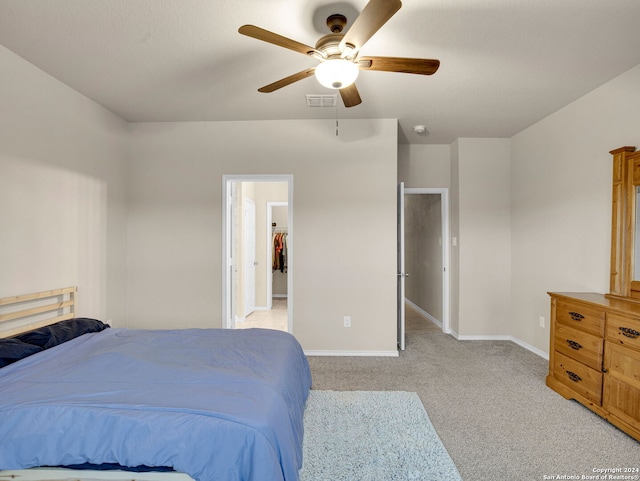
[
  {"x": 248, "y": 212},
  {"x": 278, "y": 231},
  {"x": 425, "y": 231}
]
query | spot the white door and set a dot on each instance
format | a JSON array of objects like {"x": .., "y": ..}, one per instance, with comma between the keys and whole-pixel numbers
[
  {"x": 249, "y": 256},
  {"x": 401, "y": 272},
  {"x": 230, "y": 254}
]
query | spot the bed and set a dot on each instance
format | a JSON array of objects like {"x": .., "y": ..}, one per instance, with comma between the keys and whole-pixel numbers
[{"x": 202, "y": 404}]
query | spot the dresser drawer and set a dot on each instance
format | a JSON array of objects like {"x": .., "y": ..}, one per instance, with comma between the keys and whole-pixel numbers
[
  {"x": 624, "y": 330},
  {"x": 579, "y": 345},
  {"x": 579, "y": 378},
  {"x": 580, "y": 316},
  {"x": 622, "y": 383}
]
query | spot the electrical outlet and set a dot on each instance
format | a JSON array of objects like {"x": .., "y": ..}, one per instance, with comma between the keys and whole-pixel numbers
[
  {"x": 541, "y": 321},
  {"x": 347, "y": 321}
]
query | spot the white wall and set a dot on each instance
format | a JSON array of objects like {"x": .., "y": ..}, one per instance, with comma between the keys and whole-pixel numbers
[
  {"x": 344, "y": 223},
  {"x": 559, "y": 182},
  {"x": 561, "y": 200},
  {"x": 477, "y": 173},
  {"x": 424, "y": 165},
  {"x": 483, "y": 232},
  {"x": 62, "y": 191},
  {"x": 63, "y": 204},
  {"x": 454, "y": 231}
]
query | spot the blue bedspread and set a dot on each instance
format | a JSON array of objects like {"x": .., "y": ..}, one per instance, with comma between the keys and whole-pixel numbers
[{"x": 216, "y": 404}]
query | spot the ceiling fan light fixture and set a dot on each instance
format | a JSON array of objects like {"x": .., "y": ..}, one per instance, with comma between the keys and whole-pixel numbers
[{"x": 337, "y": 73}]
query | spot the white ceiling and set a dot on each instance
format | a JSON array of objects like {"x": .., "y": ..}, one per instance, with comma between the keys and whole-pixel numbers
[{"x": 505, "y": 64}]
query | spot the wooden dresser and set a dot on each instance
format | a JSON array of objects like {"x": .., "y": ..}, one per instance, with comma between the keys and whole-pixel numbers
[{"x": 594, "y": 355}]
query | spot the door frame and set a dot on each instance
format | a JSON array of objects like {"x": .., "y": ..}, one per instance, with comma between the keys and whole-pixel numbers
[
  {"x": 270, "y": 206},
  {"x": 227, "y": 262},
  {"x": 400, "y": 293},
  {"x": 446, "y": 295}
]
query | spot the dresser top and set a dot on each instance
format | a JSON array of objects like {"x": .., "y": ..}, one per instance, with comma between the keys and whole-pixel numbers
[{"x": 610, "y": 303}]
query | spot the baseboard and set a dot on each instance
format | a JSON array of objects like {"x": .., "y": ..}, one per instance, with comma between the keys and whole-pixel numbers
[
  {"x": 352, "y": 353},
  {"x": 520, "y": 343},
  {"x": 453, "y": 333},
  {"x": 482, "y": 337},
  {"x": 517, "y": 341},
  {"x": 529, "y": 347},
  {"x": 424, "y": 313}
]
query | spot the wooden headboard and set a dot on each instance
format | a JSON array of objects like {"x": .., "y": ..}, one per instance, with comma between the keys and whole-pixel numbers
[{"x": 30, "y": 311}]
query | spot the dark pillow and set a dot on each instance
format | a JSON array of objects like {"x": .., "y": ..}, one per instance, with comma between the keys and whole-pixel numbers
[
  {"x": 12, "y": 350},
  {"x": 63, "y": 331}
]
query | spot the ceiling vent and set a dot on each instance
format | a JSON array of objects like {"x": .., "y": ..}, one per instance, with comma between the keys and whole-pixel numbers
[{"x": 322, "y": 100}]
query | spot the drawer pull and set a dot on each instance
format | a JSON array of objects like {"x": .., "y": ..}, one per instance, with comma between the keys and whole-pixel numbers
[
  {"x": 576, "y": 316},
  {"x": 573, "y": 376},
  {"x": 628, "y": 332},
  {"x": 574, "y": 345}
]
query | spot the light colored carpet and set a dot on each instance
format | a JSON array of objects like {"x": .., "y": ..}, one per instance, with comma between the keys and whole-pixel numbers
[
  {"x": 372, "y": 436},
  {"x": 490, "y": 406}
]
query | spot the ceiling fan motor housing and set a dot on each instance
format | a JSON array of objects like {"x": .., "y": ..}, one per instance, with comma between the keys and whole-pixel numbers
[
  {"x": 336, "y": 22},
  {"x": 329, "y": 45}
]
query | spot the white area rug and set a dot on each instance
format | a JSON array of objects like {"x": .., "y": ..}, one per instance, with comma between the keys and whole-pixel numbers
[{"x": 372, "y": 436}]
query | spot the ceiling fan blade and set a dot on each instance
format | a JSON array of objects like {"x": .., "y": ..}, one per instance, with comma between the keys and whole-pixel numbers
[
  {"x": 275, "y": 39},
  {"x": 420, "y": 66},
  {"x": 287, "y": 80},
  {"x": 374, "y": 15},
  {"x": 350, "y": 96}
]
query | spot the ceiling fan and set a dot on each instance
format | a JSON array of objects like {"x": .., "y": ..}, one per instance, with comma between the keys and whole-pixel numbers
[{"x": 338, "y": 52}]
